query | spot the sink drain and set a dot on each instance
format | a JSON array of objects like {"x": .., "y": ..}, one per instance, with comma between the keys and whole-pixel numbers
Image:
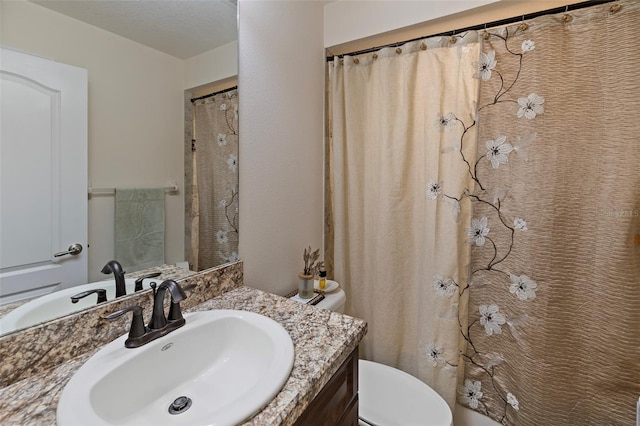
[{"x": 180, "y": 405}]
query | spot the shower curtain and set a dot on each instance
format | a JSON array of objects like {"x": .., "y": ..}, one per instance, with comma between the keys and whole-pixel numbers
[
  {"x": 556, "y": 313},
  {"x": 393, "y": 250},
  {"x": 215, "y": 193},
  {"x": 551, "y": 333}
]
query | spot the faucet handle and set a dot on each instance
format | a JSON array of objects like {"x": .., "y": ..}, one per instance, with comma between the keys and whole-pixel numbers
[
  {"x": 177, "y": 295},
  {"x": 137, "y": 323},
  {"x": 102, "y": 295},
  {"x": 175, "y": 313},
  {"x": 138, "y": 282}
]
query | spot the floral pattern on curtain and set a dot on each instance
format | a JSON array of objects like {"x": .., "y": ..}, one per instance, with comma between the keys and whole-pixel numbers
[
  {"x": 553, "y": 334},
  {"x": 215, "y": 194},
  {"x": 385, "y": 239}
]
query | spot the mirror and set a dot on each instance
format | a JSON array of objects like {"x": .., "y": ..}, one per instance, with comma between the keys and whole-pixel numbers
[{"x": 136, "y": 108}]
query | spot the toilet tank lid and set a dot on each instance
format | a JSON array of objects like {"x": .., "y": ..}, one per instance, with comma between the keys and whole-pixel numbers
[{"x": 388, "y": 396}]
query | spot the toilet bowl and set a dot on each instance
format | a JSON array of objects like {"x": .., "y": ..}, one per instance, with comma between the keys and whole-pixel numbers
[{"x": 388, "y": 396}]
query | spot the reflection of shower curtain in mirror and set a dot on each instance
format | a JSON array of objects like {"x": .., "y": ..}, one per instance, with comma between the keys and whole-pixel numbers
[{"x": 215, "y": 195}]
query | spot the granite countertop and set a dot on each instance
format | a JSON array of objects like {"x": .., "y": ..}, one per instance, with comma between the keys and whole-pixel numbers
[{"x": 322, "y": 340}]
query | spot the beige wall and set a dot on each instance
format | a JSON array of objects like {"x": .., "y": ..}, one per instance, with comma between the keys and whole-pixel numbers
[
  {"x": 215, "y": 65},
  {"x": 348, "y": 20},
  {"x": 135, "y": 114},
  {"x": 281, "y": 85}
]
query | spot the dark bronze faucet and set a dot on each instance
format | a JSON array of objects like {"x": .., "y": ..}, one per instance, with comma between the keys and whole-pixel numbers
[
  {"x": 102, "y": 295},
  {"x": 113, "y": 266},
  {"x": 159, "y": 325}
]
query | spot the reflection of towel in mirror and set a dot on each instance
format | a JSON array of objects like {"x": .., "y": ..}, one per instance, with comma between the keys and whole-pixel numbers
[{"x": 139, "y": 228}]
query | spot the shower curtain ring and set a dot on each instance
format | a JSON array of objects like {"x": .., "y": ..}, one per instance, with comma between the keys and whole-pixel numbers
[
  {"x": 523, "y": 26},
  {"x": 566, "y": 18}
]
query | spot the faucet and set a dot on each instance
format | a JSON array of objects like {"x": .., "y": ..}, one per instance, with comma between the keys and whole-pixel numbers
[
  {"x": 102, "y": 295},
  {"x": 158, "y": 319},
  {"x": 113, "y": 266},
  {"x": 139, "y": 334}
]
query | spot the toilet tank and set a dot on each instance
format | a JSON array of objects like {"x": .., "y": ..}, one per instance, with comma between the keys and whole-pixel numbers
[{"x": 334, "y": 301}]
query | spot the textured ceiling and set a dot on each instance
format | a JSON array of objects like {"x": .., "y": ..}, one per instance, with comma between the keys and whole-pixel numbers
[{"x": 181, "y": 28}]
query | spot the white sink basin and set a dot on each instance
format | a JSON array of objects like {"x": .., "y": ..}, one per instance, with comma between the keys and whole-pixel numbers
[
  {"x": 58, "y": 303},
  {"x": 230, "y": 364}
]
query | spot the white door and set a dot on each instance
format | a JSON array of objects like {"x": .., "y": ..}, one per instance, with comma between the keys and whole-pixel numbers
[{"x": 43, "y": 175}]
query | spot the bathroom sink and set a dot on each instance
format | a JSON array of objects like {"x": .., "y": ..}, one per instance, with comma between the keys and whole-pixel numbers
[
  {"x": 220, "y": 368},
  {"x": 58, "y": 303}
]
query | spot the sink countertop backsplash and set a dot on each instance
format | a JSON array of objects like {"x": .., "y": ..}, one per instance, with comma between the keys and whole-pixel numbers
[
  {"x": 322, "y": 341},
  {"x": 174, "y": 272}
]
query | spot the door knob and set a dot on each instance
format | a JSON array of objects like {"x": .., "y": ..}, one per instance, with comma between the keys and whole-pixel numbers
[{"x": 73, "y": 250}]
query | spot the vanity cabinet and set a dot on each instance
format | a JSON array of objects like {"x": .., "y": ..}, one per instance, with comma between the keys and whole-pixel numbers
[{"x": 337, "y": 402}]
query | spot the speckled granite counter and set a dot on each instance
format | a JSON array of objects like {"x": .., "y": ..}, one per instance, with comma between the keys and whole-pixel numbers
[{"x": 322, "y": 341}]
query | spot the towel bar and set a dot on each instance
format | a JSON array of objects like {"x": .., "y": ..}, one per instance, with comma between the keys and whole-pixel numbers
[{"x": 171, "y": 190}]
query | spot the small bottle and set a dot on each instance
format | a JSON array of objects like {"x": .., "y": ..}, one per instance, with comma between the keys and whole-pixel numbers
[{"x": 322, "y": 282}]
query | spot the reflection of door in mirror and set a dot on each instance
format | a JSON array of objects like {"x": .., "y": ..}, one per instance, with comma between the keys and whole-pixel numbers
[
  {"x": 43, "y": 176},
  {"x": 214, "y": 201}
]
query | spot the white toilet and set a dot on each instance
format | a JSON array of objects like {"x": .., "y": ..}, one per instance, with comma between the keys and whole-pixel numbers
[{"x": 388, "y": 396}]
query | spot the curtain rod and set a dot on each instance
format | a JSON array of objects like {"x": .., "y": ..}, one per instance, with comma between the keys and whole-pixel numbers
[
  {"x": 487, "y": 25},
  {"x": 213, "y": 94}
]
